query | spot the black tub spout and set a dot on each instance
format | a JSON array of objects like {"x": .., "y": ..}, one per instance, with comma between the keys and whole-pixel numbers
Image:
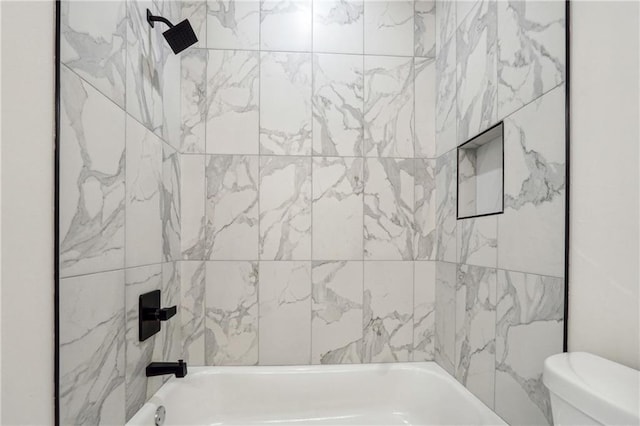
[{"x": 161, "y": 368}]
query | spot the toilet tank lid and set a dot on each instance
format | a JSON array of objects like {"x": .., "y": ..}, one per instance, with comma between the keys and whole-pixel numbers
[{"x": 607, "y": 391}]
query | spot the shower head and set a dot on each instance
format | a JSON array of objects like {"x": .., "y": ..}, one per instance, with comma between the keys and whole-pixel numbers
[{"x": 178, "y": 36}]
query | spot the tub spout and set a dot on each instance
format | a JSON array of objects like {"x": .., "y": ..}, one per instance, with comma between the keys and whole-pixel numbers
[{"x": 161, "y": 368}]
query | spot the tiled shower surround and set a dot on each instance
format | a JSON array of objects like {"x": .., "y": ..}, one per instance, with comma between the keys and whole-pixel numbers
[{"x": 290, "y": 183}]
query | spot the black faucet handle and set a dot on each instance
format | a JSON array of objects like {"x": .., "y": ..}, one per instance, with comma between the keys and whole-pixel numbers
[{"x": 166, "y": 313}]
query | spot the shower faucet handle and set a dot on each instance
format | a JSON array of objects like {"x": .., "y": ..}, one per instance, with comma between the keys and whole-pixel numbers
[
  {"x": 151, "y": 314},
  {"x": 160, "y": 314}
]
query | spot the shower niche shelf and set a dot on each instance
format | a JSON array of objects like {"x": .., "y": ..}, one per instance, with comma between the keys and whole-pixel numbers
[{"x": 481, "y": 174}]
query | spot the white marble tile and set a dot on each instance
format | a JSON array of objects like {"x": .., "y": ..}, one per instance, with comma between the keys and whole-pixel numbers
[
  {"x": 139, "y": 354},
  {"x": 424, "y": 24},
  {"x": 192, "y": 205},
  {"x": 388, "y": 311},
  {"x": 232, "y": 102},
  {"x": 93, "y": 42},
  {"x": 425, "y": 107},
  {"x": 285, "y": 25},
  {"x": 196, "y": 12},
  {"x": 153, "y": 71},
  {"x": 143, "y": 185},
  {"x": 446, "y": 84},
  {"x": 446, "y": 22},
  {"x": 424, "y": 305},
  {"x": 424, "y": 215},
  {"x": 531, "y": 51},
  {"x": 445, "y": 316},
  {"x": 338, "y": 104},
  {"x": 531, "y": 230},
  {"x": 388, "y": 209},
  {"x": 489, "y": 177},
  {"x": 92, "y": 349},
  {"x": 337, "y": 219},
  {"x": 170, "y": 208},
  {"x": 388, "y": 27},
  {"x": 231, "y": 325},
  {"x": 285, "y": 313},
  {"x": 463, "y": 9},
  {"x": 233, "y": 24},
  {"x": 172, "y": 339},
  {"x": 191, "y": 310},
  {"x": 477, "y": 241},
  {"x": 285, "y": 208},
  {"x": 476, "y": 70},
  {"x": 193, "y": 103},
  {"x": 446, "y": 207},
  {"x": 285, "y": 103},
  {"x": 529, "y": 329},
  {"x": 475, "y": 330},
  {"x": 338, "y": 26},
  {"x": 232, "y": 207},
  {"x": 467, "y": 196},
  {"x": 336, "y": 324},
  {"x": 388, "y": 106},
  {"x": 92, "y": 172}
]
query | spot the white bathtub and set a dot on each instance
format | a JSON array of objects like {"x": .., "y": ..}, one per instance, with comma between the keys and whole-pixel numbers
[{"x": 369, "y": 394}]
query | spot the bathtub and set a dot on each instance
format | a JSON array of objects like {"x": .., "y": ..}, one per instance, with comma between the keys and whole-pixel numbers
[{"x": 369, "y": 394}]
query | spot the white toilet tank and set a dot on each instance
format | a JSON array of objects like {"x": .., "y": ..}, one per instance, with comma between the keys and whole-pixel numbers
[{"x": 588, "y": 390}]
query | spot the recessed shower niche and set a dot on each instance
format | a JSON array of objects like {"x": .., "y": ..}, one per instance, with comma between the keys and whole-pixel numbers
[{"x": 481, "y": 174}]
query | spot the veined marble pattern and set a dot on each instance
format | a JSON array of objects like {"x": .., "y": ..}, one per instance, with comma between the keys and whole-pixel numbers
[
  {"x": 170, "y": 198},
  {"x": 424, "y": 23},
  {"x": 477, "y": 241},
  {"x": 446, "y": 84},
  {"x": 337, "y": 220},
  {"x": 231, "y": 333},
  {"x": 138, "y": 281},
  {"x": 232, "y": 102},
  {"x": 192, "y": 206},
  {"x": 153, "y": 71},
  {"x": 338, "y": 26},
  {"x": 388, "y": 209},
  {"x": 446, "y": 22},
  {"x": 285, "y": 103},
  {"x": 445, "y": 316},
  {"x": 93, "y": 42},
  {"x": 534, "y": 190},
  {"x": 337, "y": 105},
  {"x": 388, "y": 311},
  {"x": 388, "y": 27},
  {"x": 232, "y": 207},
  {"x": 92, "y": 189},
  {"x": 475, "y": 330},
  {"x": 476, "y": 49},
  {"x": 285, "y": 313},
  {"x": 530, "y": 309},
  {"x": 193, "y": 101},
  {"x": 285, "y": 208},
  {"x": 463, "y": 8},
  {"x": 144, "y": 185},
  {"x": 467, "y": 182},
  {"x": 92, "y": 353},
  {"x": 172, "y": 340},
  {"x": 191, "y": 310},
  {"x": 424, "y": 301},
  {"x": 425, "y": 107},
  {"x": 233, "y": 24},
  {"x": 336, "y": 324},
  {"x": 446, "y": 207},
  {"x": 531, "y": 51},
  {"x": 196, "y": 12},
  {"x": 285, "y": 25},
  {"x": 388, "y": 106},
  {"x": 425, "y": 209}
]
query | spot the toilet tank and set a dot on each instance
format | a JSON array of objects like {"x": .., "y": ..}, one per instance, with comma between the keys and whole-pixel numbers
[{"x": 588, "y": 390}]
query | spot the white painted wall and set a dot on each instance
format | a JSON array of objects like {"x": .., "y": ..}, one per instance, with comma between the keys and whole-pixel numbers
[
  {"x": 604, "y": 298},
  {"x": 27, "y": 87}
]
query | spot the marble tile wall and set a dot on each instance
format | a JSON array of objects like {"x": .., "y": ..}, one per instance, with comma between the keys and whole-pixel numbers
[
  {"x": 500, "y": 279},
  {"x": 308, "y": 182},
  {"x": 120, "y": 205}
]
